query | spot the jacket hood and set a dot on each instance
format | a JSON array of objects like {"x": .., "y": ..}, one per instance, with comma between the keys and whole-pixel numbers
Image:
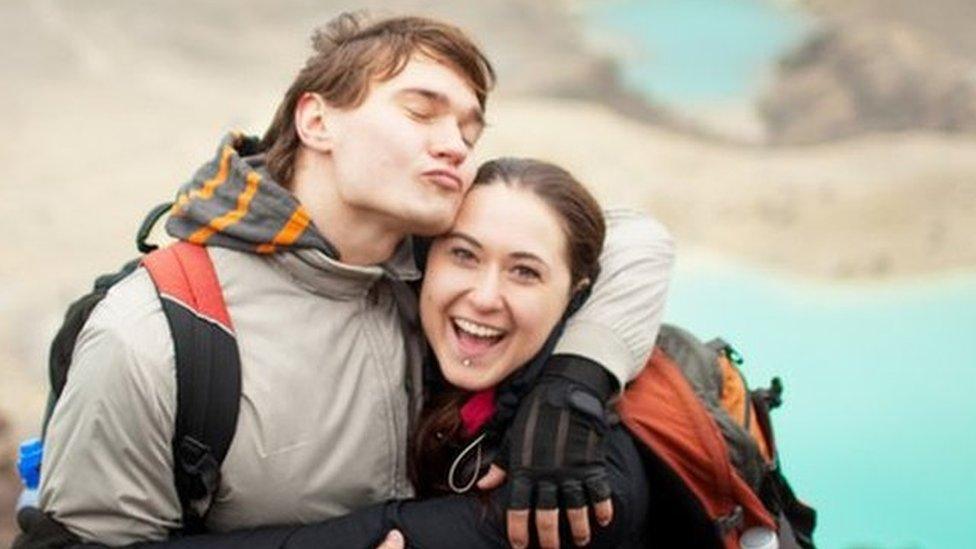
[{"x": 233, "y": 202}]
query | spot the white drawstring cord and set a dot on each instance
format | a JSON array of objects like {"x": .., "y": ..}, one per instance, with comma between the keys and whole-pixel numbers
[{"x": 474, "y": 477}]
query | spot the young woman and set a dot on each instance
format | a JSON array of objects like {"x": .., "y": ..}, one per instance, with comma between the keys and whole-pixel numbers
[{"x": 498, "y": 286}]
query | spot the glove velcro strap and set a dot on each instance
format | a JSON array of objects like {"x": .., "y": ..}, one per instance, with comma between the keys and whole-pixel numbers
[
  {"x": 584, "y": 372},
  {"x": 562, "y": 429}
]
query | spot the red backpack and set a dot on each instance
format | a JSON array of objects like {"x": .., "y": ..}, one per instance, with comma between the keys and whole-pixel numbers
[{"x": 709, "y": 449}]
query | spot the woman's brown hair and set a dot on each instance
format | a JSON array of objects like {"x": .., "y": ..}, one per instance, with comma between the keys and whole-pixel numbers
[
  {"x": 439, "y": 432},
  {"x": 350, "y": 54}
]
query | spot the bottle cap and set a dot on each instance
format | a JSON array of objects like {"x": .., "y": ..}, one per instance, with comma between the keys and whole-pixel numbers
[
  {"x": 29, "y": 462},
  {"x": 759, "y": 537}
]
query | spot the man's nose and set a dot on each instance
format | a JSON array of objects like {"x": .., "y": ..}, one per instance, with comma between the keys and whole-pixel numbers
[{"x": 448, "y": 143}]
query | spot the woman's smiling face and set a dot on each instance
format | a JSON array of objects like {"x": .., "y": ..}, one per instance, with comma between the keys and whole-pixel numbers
[{"x": 495, "y": 285}]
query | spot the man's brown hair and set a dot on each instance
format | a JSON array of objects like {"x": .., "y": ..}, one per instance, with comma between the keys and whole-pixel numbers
[{"x": 351, "y": 53}]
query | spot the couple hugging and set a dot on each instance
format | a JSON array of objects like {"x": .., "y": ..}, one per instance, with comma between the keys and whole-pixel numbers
[{"x": 429, "y": 349}]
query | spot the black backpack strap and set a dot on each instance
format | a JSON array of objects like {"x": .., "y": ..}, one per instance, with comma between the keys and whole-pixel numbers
[
  {"x": 775, "y": 491},
  {"x": 39, "y": 530},
  {"x": 208, "y": 373},
  {"x": 802, "y": 518}
]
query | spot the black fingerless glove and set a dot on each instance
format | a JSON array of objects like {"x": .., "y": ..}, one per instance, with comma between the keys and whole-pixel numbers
[{"x": 555, "y": 444}]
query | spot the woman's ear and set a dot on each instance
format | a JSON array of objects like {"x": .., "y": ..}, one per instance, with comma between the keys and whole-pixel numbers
[
  {"x": 581, "y": 285},
  {"x": 311, "y": 124},
  {"x": 581, "y": 291}
]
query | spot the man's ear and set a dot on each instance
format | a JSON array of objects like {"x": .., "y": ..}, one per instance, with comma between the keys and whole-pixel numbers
[{"x": 311, "y": 124}]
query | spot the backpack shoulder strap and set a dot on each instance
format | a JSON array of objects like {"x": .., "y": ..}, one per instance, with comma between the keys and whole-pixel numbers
[{"x": 208, "y": 372}]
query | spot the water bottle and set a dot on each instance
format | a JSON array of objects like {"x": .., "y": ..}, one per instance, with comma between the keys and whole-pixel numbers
[
  {"x": 759, "y": 537},
  {"x": 29, "y": 467}
]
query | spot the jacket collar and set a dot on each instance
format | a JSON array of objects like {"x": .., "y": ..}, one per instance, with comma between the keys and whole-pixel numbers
[{"x": 321, "y": 274}]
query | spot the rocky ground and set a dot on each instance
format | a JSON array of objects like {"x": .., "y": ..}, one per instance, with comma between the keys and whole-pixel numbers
[{"x": 876, "y": 66}]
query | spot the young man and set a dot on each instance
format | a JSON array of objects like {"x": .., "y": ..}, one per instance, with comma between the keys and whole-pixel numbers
[{"x": 310, "y": 235}]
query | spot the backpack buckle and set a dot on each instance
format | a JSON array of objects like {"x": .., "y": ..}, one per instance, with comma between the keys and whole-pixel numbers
[
  {"x": 731, "y": 521},
  {"x": 773, "y": 396},
  {"x": 733, "y": 355},
  {"x": 197, "y": 461}
]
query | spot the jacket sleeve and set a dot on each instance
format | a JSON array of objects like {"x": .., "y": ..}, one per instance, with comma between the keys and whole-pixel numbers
[
  {"x": 451, "y": 521},
  {"x": 618, "y": 324},
  {"x": 107, "y": 471}
]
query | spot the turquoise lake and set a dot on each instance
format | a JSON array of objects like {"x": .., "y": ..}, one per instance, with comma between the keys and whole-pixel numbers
[
  {"x": 878, "y": 423},
  {"x": 694, "y": 51}
]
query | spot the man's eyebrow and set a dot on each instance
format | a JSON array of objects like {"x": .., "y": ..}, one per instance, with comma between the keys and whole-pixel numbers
[{"x": 474, "y": 114}]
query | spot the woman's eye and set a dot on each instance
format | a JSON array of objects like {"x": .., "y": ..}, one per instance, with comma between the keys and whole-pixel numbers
[
  {"x": 526, "y": 273},
  {"x": 462, "y": 254}
]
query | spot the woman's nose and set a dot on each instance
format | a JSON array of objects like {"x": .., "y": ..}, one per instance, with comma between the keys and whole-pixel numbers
[{"x": 486, "y": 294}]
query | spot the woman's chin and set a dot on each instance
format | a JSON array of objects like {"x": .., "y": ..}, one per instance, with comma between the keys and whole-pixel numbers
[
  {"x": 472, "y": 378},
  {"x": 469, "y": 380}
]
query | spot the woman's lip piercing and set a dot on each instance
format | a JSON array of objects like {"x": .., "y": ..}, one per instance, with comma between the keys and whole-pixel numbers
[{"x": 466, "y": 362}]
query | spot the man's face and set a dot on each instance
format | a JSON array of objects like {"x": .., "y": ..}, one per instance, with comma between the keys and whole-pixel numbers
[{"x": 403, "y": 154}]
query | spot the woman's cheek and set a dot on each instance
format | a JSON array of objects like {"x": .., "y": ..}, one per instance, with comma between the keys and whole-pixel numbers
[{"x": 543, "y": 312}]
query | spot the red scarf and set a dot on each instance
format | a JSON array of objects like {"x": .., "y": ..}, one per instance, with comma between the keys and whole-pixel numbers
[{"x": 479, "y": 408}]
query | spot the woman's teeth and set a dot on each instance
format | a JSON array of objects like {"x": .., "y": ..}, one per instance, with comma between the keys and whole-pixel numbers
[{"x": 477, "y": 330}]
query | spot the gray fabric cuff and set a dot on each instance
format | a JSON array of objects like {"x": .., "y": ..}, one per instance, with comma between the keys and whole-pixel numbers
[{"x": 597, "y": 342}]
